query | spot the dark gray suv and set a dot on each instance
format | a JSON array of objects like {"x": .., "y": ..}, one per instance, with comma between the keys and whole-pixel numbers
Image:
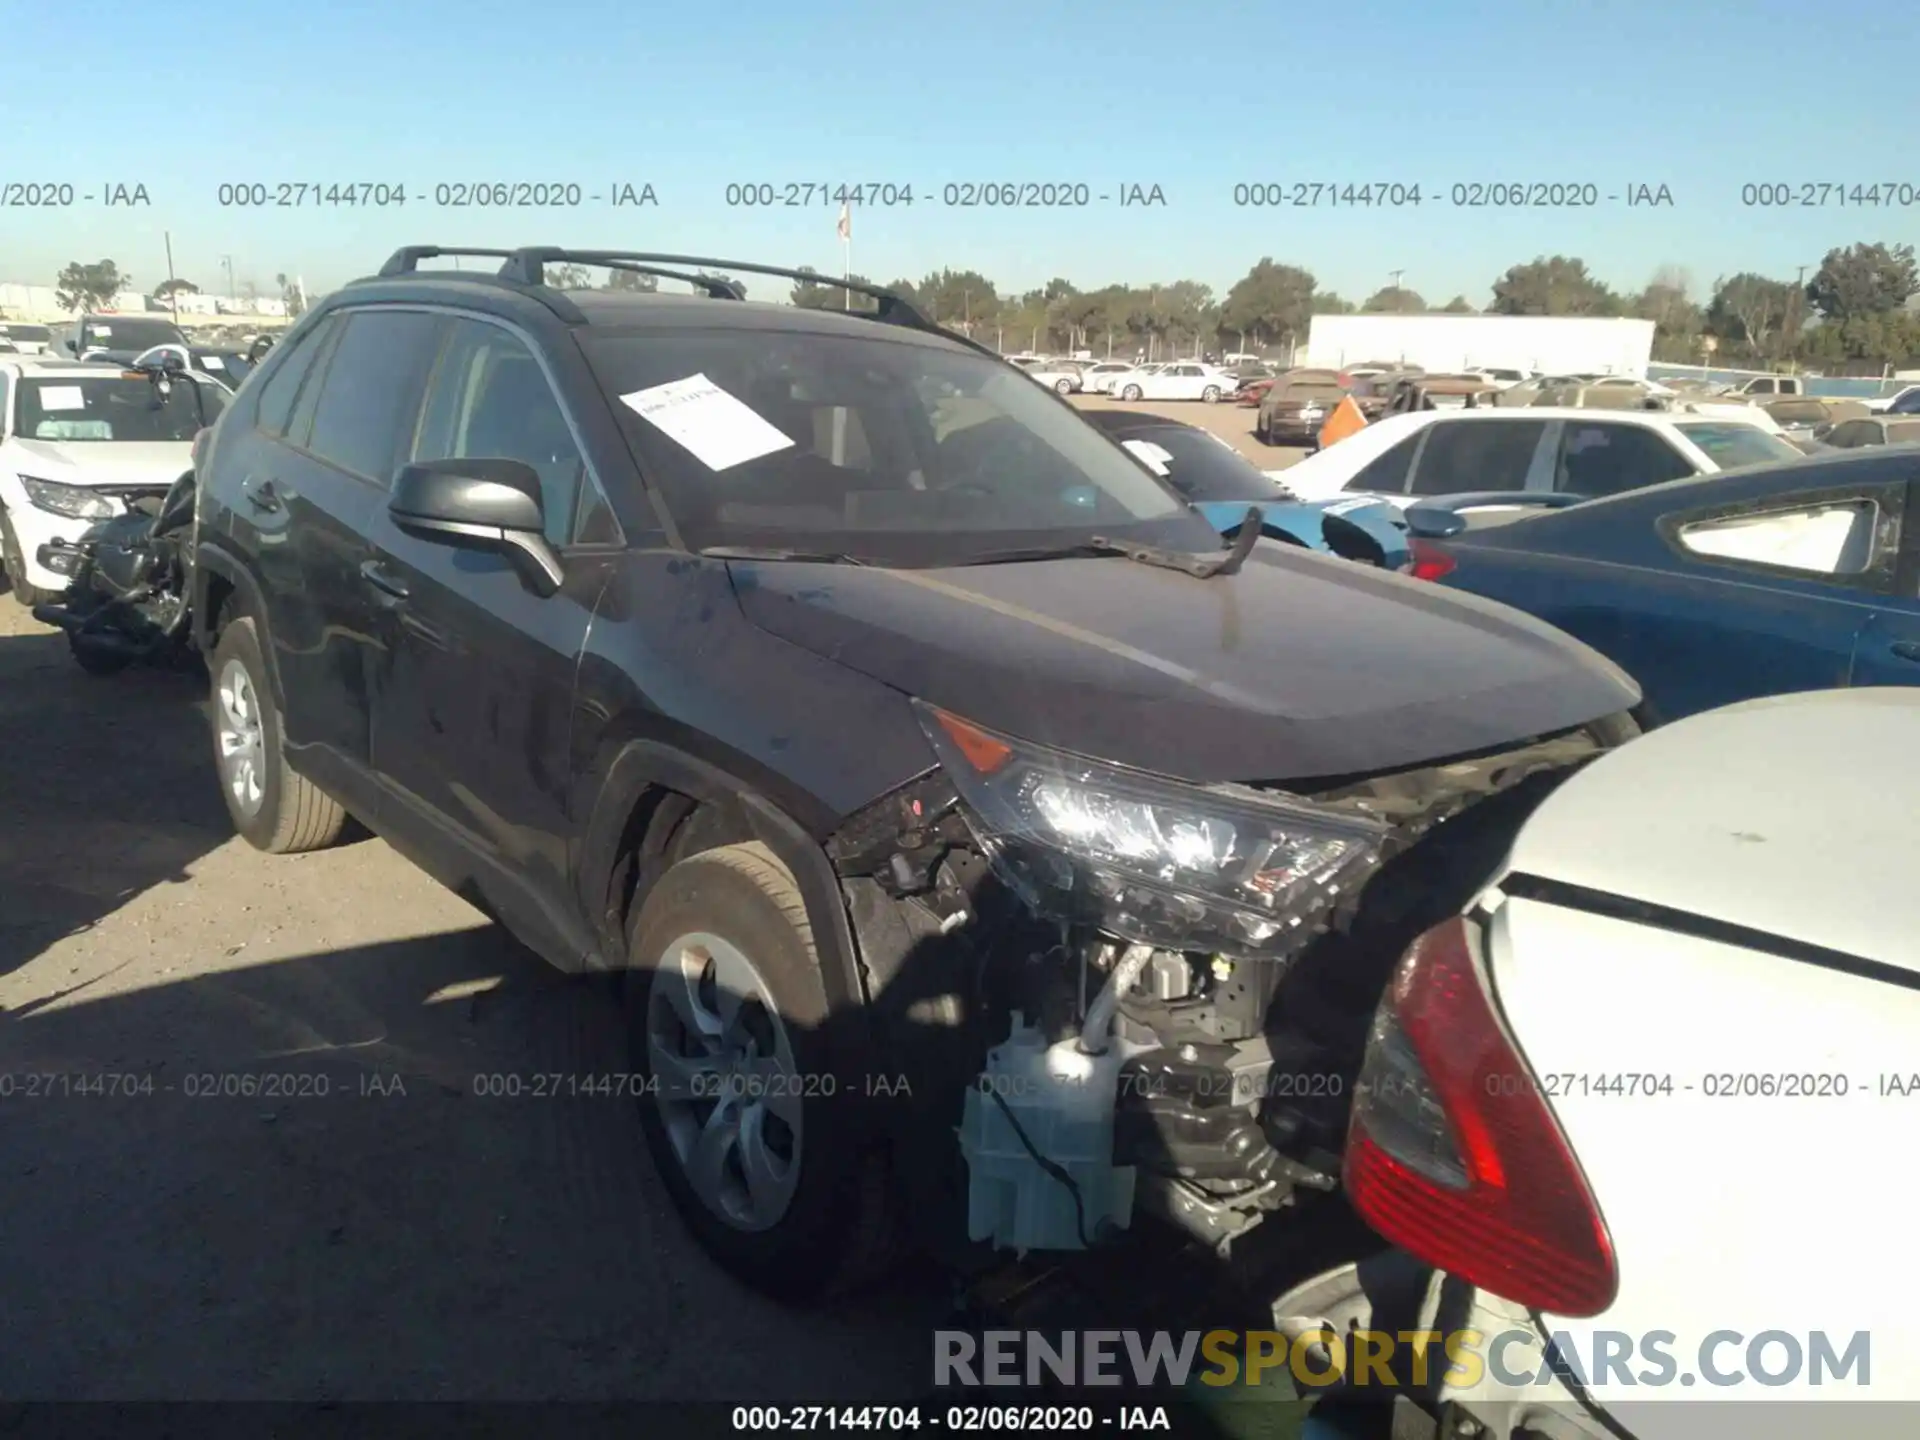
[{"x": 882, "y": 723}]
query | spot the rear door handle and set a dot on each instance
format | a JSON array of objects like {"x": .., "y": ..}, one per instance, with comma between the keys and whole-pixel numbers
[
  {"x": 376, "y": 575},
  {"x": 1906, "y": 649},
  {"x": 261, "y": 495}
]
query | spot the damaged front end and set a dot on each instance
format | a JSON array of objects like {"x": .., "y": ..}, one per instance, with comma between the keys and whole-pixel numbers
[{"x": 1130, "y": 993}]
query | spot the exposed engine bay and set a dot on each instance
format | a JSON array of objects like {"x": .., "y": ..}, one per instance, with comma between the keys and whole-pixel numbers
[
  {"x": 1127, "y": 999},
  {"x": 126, "y": 599}
]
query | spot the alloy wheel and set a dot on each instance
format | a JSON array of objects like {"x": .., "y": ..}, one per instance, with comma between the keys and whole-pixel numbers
[
  {"x": 725, "y": 1080},
  {"x": 242, "y": 736}
]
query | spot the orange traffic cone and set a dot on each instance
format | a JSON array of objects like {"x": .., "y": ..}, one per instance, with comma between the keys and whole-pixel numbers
[{"x": 1345, "y": 420}]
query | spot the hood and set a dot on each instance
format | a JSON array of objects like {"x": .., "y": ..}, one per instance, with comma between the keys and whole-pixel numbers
[
  {"x": 104, "y": 462},
  {"x": 1299, "y": 667}
]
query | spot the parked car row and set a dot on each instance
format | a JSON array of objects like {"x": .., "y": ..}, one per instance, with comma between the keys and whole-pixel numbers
[{"x": 870, "y": 710}]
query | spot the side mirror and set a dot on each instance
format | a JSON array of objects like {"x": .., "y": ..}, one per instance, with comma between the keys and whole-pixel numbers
[
  {"x": 73, "y": 346},
  {"x": 491, "y": 503}
]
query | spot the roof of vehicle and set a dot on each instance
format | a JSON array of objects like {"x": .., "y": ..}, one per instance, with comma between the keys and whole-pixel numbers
[
  {"x": 1769, "y": 814},
  {"x": 632, "y": 310}
]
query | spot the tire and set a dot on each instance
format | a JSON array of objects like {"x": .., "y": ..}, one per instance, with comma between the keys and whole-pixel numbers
[
  {"x": 1261, "y": 432},
  {"x": 825, "y": 1222},
  {"x": 1063, "y": 387},
  {"x": 274, "y": 808},
  {"x": 1211, "y": 395},
  {"x": 1131, "y": 393},
  {"x": 15, "y": 565},
  {"x": 97, "y": 659}
]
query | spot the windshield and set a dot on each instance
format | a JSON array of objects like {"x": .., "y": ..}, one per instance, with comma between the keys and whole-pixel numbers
[
  {"x": 32, "y": 334},
  {"x": 1735, "y": 444},
  {"x": 108, "y": 407},
  {"x": 115, "y": 332},
  {"x": 892, "y": 451},
  {"x": 1199, "y": 466}
]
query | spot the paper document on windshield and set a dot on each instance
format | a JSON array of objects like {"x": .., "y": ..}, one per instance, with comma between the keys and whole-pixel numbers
[
  {"x": 719, "y": 430},
  {"x": 62, "y": 397},
  {"x": 1154, "y": 457}
]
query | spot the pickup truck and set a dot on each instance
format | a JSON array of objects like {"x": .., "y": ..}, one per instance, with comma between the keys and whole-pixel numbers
[{"x": 1771, "y": 387}]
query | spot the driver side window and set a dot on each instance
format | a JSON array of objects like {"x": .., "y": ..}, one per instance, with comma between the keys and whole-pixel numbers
[{"x": 489, "y": 399}]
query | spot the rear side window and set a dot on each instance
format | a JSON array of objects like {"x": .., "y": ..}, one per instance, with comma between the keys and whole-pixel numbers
[
  {"x": 371, "y": 386},
  {"x": 1464, "y": 457},
  {"x": 1387, "y": 474},
  {"x": 1820, "y": 539},
  {"x": 1600, "y": 460},
  {"x": 1904, "y": 432},
  {"x": 283, "y": 385}
]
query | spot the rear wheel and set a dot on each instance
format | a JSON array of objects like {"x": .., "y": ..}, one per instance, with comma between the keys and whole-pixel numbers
[
  {"x": 1211, "y": 394},
  {"x": 274, "y": 808},
  {"x": 1132, "y": 392},
  {"x": 1063, "y": 387},
  {"x": 742, "y": 1110}
]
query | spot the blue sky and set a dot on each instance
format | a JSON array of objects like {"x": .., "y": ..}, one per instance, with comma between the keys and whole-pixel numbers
[{"x": 1192, "y": 97}]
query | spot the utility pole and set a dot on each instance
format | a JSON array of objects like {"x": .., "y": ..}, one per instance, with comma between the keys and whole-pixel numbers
[
  {"x": 173, "y": 295},
  {"x": 1396, "y": 274},
  {"x": 232, "y": 292}
]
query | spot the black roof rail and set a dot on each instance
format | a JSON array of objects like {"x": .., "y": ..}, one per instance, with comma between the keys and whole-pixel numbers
[
  {"x": 526, "y": 267},
  {"x": 407, "y": 258}
]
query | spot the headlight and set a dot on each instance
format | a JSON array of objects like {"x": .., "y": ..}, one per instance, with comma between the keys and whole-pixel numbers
[
  {"x": 76, "y": 502},
  {"x": 1215, "y": 868}
]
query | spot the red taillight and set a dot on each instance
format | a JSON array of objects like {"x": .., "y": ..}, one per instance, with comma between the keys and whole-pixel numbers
[
  {"x": 1453, "y": 1154},
  {"x": 1429, "y": 562}
]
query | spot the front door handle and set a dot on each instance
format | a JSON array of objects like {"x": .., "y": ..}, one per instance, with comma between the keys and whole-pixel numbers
[
  {"x": 377, "y": 575},
  {"x": 261, "y": 495},
  {"x": 1906, "y": 649}
]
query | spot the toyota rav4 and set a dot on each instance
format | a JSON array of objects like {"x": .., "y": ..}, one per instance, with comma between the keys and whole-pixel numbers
[{"x": 981, "y": 840}]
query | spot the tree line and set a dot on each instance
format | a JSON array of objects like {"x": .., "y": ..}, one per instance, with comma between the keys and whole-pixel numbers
[{"x": 1851, "y": 311}]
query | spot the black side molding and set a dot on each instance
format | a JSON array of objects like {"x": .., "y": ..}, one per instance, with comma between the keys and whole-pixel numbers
[{"x": 1682, "y": 922}]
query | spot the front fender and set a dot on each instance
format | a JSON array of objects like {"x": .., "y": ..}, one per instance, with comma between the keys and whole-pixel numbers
[{"x": 640, "y": 765}]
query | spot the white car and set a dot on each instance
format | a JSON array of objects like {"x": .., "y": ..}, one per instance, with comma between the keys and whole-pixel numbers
[
  {"x": 1902, "y": 402},
  {"x": 1405, "y": 458},
  {"x": 1065, "y": 379},
  {"x": 77, "y": 442},
  {"x": 1576, "y": 1094},
  {"x": 1180, "y": 380},
  {"x": 1097, "y": 379}
]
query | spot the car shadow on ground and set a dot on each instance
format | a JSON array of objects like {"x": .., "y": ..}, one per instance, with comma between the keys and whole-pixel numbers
[{"x": 106, "y": 790}]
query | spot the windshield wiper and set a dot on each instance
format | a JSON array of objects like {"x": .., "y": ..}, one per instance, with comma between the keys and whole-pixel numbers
[
  {"x": 774, "y": 552},
  {"x": 1201, "y": 567}
]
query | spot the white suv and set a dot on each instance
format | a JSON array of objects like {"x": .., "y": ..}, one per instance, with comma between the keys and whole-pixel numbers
[{"x": 77, "y": 442}]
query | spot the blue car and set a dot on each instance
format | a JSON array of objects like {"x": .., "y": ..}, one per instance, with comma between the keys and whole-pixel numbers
[
  {"x": 1803, "y": 575},
  {"x": 1224, "y": 485}
]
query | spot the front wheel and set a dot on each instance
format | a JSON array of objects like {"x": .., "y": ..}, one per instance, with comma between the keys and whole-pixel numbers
[
  {"x": 1132, "y": 392},
  {"x": 1211, "y": 394},
  {"x": 15, "y": 564},
  {"x": 274, "y": 808},
  {"x": 742, "y": 1105},
  {"x": 95, "y": 658}
]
